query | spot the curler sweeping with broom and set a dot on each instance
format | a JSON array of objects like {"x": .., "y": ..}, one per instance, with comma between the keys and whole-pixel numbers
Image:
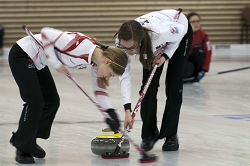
[
  {"x": 148, "y": 35},
  {"x": 29, "y": 59}
]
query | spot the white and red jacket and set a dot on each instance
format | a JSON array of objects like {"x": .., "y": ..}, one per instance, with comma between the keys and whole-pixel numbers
[
  {"x": 165, "y": 36},
  {"x": 72, "y": 49}
]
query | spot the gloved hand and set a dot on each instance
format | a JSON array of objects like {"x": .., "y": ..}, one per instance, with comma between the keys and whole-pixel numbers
[
  {"x": 200, "y": 75},
  {"x": 114, "y": 124}
]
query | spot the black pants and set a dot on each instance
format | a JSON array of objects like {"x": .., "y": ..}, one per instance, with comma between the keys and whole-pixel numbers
[
  {"x": 173, "y": 91},
  {"x": 195, "y": 62},
  {"x": 41, "y": 100}
]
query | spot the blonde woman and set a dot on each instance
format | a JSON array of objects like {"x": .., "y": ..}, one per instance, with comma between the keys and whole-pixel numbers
[{"x": 29, "y": 65}]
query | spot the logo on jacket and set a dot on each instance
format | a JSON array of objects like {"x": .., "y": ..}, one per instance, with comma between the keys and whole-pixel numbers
[
  {"x": 174, "y": 30},
  {"x": 146, "y": 21}
]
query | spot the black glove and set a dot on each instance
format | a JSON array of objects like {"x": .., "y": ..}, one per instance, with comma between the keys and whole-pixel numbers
[{"x": 114, "y": 124}]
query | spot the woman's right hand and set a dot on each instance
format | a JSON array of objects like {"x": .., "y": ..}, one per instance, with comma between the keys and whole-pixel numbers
[{"x": 129, "y": 121}]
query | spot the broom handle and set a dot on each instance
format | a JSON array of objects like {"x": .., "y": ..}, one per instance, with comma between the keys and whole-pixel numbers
[{"x": 221, "y": 72}]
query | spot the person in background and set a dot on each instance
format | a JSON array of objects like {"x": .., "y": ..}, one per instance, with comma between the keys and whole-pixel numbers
[
  {"x": 29, "y": 63},
  {"x": 1, "y": 39},
  {"x": 200, "y": 53}
]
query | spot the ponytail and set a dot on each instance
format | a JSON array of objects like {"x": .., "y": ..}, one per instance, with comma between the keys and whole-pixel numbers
[{"x": 146, "y": 53}]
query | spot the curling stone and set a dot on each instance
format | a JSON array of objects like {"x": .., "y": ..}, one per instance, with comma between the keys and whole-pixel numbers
[{"x": 104, "y": 144}]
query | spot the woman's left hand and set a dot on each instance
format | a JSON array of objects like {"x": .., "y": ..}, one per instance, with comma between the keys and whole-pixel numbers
[{"x": 158, "y": 60}]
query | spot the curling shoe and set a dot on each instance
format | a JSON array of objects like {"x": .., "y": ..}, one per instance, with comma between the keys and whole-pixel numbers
[
  {"x": 148, "y": 143},
  {"x": 38, "y": 152},
  {"x": 24, "y": 158},
  {"x": 171, "y": 144}
]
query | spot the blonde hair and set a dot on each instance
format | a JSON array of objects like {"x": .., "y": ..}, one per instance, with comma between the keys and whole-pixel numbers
[{"x": 118, "y": 57}]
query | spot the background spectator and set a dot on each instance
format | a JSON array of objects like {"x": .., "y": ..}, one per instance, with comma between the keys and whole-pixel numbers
[{"x": 200, "y": 53}]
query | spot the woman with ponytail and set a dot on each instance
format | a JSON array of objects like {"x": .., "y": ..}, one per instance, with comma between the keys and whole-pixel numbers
[
  {"x": 157, "y": 37},
  {"x": 29, "y": 63}
]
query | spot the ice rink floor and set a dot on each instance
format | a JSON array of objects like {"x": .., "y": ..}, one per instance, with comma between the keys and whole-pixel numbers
[{"x": 214, "y": 127}]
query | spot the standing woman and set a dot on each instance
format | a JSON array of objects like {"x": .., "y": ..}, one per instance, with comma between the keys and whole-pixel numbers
[
  {"x": 29, "y": 65},
  {"x": 147, "y": 36},
  {"x": 200, "y": 53}
]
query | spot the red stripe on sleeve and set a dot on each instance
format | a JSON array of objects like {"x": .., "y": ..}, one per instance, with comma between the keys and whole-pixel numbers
[{"x": 97, "y": 93}]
